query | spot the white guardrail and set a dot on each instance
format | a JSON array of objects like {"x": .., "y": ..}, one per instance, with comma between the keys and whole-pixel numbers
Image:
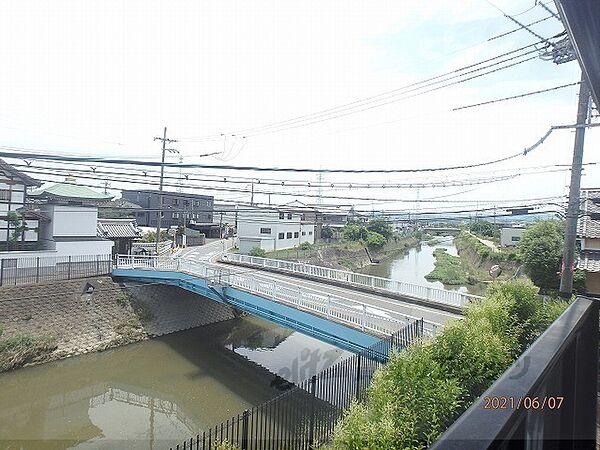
[
  {"x": 354, "y": 313},
  {"x": 443, "y": 296}
]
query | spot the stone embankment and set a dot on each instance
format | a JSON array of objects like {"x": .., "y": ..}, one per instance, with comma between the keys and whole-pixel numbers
[{"x": 44, "y": 322}]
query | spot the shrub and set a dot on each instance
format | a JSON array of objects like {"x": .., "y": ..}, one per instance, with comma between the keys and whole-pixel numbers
[
  {"x": 540, "y": 249},
  {"x": 354, "y": 232},
  {"x": 375, "y": 239},
  {"x": 305, "y": 246},
  {"x": 257, "y": 251},
  {"x": 326, "y": 232},
  {"x": 381, "y": 226}
]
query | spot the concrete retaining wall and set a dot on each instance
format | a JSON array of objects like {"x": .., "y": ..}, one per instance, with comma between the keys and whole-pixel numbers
[{"x": 93, "y": 314}]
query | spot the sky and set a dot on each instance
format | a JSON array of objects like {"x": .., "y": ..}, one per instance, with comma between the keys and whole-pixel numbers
[{"x": 104, "y": 78}]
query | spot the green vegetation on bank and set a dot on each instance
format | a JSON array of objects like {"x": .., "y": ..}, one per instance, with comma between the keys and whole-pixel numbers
[
  {"x": 466, "y": 240},
  {"x": 448, "y": 269},
  {"x": 16, "y": 351},
  {"x": 422, "y": 390}
]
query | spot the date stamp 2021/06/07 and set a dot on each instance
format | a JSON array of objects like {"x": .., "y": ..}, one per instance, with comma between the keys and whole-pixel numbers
[{"x": 545, "y": 402}]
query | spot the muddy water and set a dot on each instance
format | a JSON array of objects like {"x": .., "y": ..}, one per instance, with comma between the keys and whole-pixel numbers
[
  {"x": 418, "y": 262},
  {"x": 153, "y": 394}
]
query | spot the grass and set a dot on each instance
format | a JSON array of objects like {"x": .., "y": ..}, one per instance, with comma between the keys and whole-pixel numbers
[
  {"x": 448, "y": 269},
  {"x": 19, "y": 350}
]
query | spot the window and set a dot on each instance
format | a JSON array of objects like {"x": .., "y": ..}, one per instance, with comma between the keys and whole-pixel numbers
[
  {"x": 281, "y": 235},
  {"x": 265, "y": 231},
  {"x": 289, "y": 216},
  {"x": 295, "y": 234},
  {"x": 176, "y": 201},
  {"x": 515, "y": 238},
  {"x": 282, "y": 215},
  {"x": 304, "y": 233},
  {"x": 303, "y": 217},
  {"x": 4, "y": 194},
  {"x": 186, "y": 203},
  {"x": 289, "y": 235},
  {"x": 175, "y": 215},
  {"x": 140, "y": 214},
  {"x": 310, "y": 233},
  {"x": 196, "y": 202}
]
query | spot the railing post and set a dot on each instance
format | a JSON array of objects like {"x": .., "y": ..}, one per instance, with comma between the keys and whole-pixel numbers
[
  {"x": 328, "y": 305},
  {"x": 1, "y": 272},
  {"x": 69, "y": 273},
  {"x": 97, "y": 264},
  {"x": 358, "y": 378},
  {"x": 428, "y": 293},
  {"x": 245, "y": 415},
  {"x": 311, "y": 429},
  {"x": 364, "y": 317},
  {"x": 37, "y": 269}
]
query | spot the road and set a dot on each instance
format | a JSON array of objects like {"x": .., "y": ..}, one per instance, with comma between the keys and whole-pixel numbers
[{"x": 211, "y": 251}]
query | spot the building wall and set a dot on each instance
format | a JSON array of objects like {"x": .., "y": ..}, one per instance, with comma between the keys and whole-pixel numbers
[
  {"x": 178, "y": 208},
  {"x": 70, "y": 221},
  {"x": 590, "y": 244},
  {"x": 285, "y": 229},
  {"x": 245, "y": 244},
  {"x": 592, "y": 283},
  {"x": 510, "y": 237}
]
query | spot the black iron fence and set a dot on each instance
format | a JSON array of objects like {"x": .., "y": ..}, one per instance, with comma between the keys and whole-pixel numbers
[
  {"x": 307, "y": 413},
  {"x": 546, "y": 399},
  {"x": 40, "y": 269}
]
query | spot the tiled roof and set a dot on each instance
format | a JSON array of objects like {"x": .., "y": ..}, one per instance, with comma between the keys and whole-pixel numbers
[
  {"x": 118, "y": 228},
  {"x": 26, "y": 179},
  {"x": 588, "y": 227},
  {"x": 589, "y": 261},
  {"x": 70, "y": 191}
]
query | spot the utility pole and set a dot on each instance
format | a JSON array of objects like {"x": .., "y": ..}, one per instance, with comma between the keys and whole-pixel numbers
[
  {"x": 162, "y": 174},
  {"x": 252, "y": 194},
  {"x": 106, "y": 187},
  {"x": 568, "y": 260}
]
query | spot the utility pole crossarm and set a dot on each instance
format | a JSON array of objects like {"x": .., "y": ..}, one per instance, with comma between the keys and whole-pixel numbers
[{"x": 164, "y": 140}]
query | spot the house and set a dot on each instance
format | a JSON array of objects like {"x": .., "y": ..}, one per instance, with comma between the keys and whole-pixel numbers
[
  {"x": 72, "y": 212},
  {"x": 18, "y": 225},
  {"x": 121, "y": 231},
  {"x": 272, "y": 228},
  {"x": 179, "y": 208},
  {"x": 511, "y": 236},
  {"x": 588, "y": 231}
]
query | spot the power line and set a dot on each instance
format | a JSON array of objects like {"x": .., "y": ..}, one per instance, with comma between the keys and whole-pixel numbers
[
  {"x": 512, "y": 97},
  {"x": 385, "y": 95}
]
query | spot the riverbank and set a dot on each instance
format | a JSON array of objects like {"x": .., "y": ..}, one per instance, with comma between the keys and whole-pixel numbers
[
  {"x": 345, "y": 255},
  {"x": 50, "y": 321}
]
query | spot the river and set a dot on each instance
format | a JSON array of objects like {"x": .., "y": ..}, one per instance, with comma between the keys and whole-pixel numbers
[
  {"x": 153, "y": 394},
  {"x": 417, "y": 262}
]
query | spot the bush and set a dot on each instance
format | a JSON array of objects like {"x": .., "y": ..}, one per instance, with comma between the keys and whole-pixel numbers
[
  {"x": 422, "y": 390},
  {"x": 355, "y": 232},
  {"x": 326, "y": 232},
  {"x": 257, "y": 251},
  {"x": 381, "y": 226},
  {"x": 375, "y": 240},
  {"x": 305, "y": 246}
]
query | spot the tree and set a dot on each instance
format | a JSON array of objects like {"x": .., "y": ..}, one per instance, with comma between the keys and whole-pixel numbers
[
  {"x": 355, "y": 232},
  {"x": 483, "y": 228},
  {"x": 541, "y": 249},
  {"x": 17, "y": 227},
  {"x": 257, "y": 251},
  {"x": 381, "y": 226},
  {"x": 326, "y": 232},
  {"x": 375, "y": 239}
]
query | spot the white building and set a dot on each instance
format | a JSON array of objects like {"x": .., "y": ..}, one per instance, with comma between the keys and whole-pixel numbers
[
  {"x": 73, "y": 219},
  {"x": 511, "y": 236},
  {"x": 272, "y": 229}
]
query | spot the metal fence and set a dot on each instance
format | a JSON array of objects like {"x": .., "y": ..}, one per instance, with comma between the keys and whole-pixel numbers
[
  {"x": 546, "y": 399},
  {"x": 442, "y": 296},
  {"x": 305, "y": 415},
  {"x": 382, "y": 321},
  {"x": 39, "y": 269}
]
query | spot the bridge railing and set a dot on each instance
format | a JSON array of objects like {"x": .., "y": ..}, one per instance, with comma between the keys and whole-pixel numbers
[
  {"x": 357, "y": 314},
  {"x": 443, "y": 296}
]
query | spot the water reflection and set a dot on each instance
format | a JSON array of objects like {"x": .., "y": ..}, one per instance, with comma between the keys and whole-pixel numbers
[
  {"x": 416, "y": 263},
  {"x": 151, "y": 394}
]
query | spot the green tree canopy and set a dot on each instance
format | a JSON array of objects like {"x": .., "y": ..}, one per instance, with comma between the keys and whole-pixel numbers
[
  {"x": 355, "y": 232},
  {"x": 483, "y": 228},
  {"x": 541, "y": 249},
  {"x": 381, "y": 226},
  {"x": 326, "y": 232},
  {"x": 375, "y": 239}
]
